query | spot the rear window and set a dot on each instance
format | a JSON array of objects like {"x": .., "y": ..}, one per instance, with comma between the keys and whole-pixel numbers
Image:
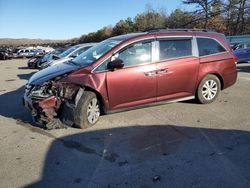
[
  {"x": 209, "y": 46},
  {"x": 175, "y": 48}
]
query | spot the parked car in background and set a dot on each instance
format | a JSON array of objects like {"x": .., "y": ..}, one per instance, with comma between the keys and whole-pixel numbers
[
  {"x": 45, "y": 49},
  {"x": 15, "y": 51},
  {"x": 132, "y": 70},
  {"x": 26, "y": 53},
  {"x": 6, "y": 53},
  {"x": 69, "y": 54},
  {"x": 39, "y": 53},
  {"x": 233, "y": 45},
  {"x": 242, "y": 51},
  {"x": 37, "y": 61}
]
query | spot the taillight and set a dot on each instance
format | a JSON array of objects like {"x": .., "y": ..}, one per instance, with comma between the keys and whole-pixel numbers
[{"x": 235, "y": 58}]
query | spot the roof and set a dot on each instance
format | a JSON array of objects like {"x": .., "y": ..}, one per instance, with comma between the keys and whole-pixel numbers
[
  {"x": 86, "y": 44},
  {"x": 163, "y": 31},
  {"x": 127, "y": 36},
  {"x": 179, "y": 30}
]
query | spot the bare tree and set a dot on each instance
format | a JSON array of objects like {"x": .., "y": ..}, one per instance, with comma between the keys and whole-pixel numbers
[
  {"x": 230, "y": 13},
  {"x": 203, "y": 7},
  {"x": 236, "y": 13}
]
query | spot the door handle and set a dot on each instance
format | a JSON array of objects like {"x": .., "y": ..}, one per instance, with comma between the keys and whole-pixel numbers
[
  {"x": 162, "y": 71},
  {"x": 151, "y": 73}
]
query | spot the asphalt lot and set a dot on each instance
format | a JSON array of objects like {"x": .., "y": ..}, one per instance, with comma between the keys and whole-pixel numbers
[{"x": 175, "y": 145}]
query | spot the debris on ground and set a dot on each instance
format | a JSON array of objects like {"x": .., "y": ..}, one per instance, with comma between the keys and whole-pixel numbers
[
  {"x": 55, "y": 124},
  {"x": 123, "y": 163},
  {"x": 213, "y": 153},
  {"x": 111, "y": 157},
  {"x": 229, "y": 148},
  {"x": 156, "y": 178},
  {"x": 78, "y": 180}
]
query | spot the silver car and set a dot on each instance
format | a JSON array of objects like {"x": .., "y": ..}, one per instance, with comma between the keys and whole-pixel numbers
[
  {"x": 69, "y": 54},
  {"x": 27, "y": 53}
]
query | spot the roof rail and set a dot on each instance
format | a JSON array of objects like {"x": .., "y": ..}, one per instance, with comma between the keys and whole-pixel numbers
[{"x": 169, "y": 30}]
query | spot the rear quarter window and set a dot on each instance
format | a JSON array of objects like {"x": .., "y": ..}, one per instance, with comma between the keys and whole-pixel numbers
[{"x": 209, "y": 46}]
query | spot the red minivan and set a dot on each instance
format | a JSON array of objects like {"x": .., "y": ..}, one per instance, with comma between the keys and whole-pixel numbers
[{"x": 131, "y": 71}]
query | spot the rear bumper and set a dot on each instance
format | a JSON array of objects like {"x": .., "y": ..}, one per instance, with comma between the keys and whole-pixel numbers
[{"x": 230, "y": 79}]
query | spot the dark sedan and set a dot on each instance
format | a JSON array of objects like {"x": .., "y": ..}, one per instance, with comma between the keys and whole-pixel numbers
[
  {"x": 37, "y": 61},
  {"x": 5, "y": 54}
]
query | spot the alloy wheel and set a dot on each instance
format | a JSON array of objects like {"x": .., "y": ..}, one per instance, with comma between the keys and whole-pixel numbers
[
  {"x": 209, "y": 89},
  {"x": 93, "y": 111}
]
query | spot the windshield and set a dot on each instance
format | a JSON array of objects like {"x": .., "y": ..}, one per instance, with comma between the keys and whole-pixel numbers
[
  {"x": 91, "y": 55},
  {"x": 68, "y": 51},
  {"x": 46, "y": 57}
]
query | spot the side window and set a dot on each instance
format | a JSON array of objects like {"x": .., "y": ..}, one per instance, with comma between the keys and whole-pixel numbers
[
  {"x": 103, "y": 66},
  {"x": 135, "y": 54},
  {"x": 83, "y": 50},
  {"x": 175, "y": 48},
  {"x": 209, "y": 46},
  {"x": 78, "y": 52}
]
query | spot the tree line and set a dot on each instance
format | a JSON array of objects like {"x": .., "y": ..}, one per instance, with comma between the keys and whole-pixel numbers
[{"x": 231, "y": 17}]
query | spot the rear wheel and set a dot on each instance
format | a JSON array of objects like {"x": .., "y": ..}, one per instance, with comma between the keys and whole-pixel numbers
[
  {"x": 208, "y": 89},
  {"x": 87, "y": 111}
]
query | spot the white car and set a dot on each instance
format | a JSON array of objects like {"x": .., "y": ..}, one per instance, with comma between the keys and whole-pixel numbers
[{"x": 69, "y": 54}]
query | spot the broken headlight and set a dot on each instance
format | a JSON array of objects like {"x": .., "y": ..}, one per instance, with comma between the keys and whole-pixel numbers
[{"x": 44, "y": 91}]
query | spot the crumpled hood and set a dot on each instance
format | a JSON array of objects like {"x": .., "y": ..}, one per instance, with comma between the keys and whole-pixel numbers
[{"x": 51, "y": 72}]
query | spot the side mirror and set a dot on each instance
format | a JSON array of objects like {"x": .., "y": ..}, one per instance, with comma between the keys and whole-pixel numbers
[{"x": 116, "y": 64}]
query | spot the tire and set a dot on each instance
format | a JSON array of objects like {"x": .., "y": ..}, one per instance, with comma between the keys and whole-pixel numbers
[
  {"x": 87, "y": 111},
  {"x": 209, "y": 89}
]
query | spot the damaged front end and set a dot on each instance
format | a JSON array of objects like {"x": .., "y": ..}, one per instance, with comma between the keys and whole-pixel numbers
[{"x": 52, "y": 103}]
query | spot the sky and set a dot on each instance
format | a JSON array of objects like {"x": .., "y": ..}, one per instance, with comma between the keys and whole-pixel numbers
[{"x": 66, "y": 19}]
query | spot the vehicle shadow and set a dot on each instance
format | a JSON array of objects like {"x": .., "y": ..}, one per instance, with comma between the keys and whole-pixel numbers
[
  {"x": 24, "y": 68},
  {"x": 149, "y": 156},
  {"x": 25, "y": 76},
  {"x": 11, "y": 106}
]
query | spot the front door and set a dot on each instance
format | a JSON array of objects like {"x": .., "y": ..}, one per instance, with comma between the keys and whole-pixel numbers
[{"x": 135, "y": 83}]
